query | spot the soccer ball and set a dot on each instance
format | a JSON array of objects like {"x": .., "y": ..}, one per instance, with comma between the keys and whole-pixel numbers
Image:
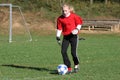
[{"x": 62, "y": 69}]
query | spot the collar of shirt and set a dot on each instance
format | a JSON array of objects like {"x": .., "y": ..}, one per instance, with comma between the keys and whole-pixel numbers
[{"x": 68, "y": 15}]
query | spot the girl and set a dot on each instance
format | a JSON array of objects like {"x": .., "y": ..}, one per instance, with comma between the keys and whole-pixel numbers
[{"x": 69, "y": 25}]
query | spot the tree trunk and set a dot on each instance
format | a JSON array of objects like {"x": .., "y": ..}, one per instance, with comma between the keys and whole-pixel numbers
[
  {"x": 106, "y": 1},
  {"x": 62, "y": 2},
  {"x": 91, "y": 2}
]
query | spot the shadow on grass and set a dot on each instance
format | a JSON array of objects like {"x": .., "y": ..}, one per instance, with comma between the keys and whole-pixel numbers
[{"x": 31, "y": 68}]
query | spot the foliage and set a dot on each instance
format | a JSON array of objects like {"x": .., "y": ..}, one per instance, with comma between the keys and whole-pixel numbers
[{"x": 82, "y": 7}]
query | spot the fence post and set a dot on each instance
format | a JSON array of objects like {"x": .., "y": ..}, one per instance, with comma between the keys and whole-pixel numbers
[{"x": 89, "y": 28}]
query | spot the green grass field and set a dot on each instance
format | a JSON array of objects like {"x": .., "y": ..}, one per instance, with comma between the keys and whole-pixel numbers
[{"x": 37, "y": 60}]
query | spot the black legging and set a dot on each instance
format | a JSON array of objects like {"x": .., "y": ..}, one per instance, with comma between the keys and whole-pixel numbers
[{"x": 73, "y": 40}]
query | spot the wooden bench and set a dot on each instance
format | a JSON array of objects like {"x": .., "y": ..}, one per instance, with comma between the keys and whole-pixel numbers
[{"x": 112, "y": 25}]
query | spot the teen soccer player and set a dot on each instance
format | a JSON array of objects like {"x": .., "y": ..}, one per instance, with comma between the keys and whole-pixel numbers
[{"x": 69, "y": 25}]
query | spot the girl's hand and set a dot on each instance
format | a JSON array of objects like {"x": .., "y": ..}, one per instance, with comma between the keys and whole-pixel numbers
[{"x": 75, "y": 31}]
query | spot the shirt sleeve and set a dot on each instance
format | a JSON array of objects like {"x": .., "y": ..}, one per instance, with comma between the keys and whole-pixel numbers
[
  {"x": 59, "y": 25},
  {"x": 58, "y": 33},
  {"x": 78, "y": 20}
]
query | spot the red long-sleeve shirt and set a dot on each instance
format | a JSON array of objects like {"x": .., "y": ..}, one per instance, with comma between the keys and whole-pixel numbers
[{"x": 67, "y": 24}]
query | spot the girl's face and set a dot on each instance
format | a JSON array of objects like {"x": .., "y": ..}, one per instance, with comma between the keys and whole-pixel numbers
[{"x": 66, "y": 11}]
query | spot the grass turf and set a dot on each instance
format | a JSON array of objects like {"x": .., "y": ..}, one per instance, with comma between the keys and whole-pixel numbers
[{"x": 37, "y": 60}]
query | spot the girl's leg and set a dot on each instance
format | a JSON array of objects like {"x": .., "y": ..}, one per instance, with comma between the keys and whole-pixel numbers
[
  {"x": 74, "y": 44},
  {"x": 65, "y": 45}
]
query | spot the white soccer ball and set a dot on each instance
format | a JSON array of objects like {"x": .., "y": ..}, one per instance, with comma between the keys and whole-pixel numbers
[{"x": 62, "y": 69}]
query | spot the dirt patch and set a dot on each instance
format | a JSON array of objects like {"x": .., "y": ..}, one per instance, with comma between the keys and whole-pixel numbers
[
  {"x": 36, "y": 23},
  {"x": 33, "y": 21}
]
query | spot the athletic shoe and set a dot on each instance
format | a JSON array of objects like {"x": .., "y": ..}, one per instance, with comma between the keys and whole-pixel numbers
[
  {"x": 76, "y": 68},
  {"x": 69, "y": 71}
]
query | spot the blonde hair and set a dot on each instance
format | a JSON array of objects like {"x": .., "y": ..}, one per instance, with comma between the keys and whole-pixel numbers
[{"x": 70, "y": 7}]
